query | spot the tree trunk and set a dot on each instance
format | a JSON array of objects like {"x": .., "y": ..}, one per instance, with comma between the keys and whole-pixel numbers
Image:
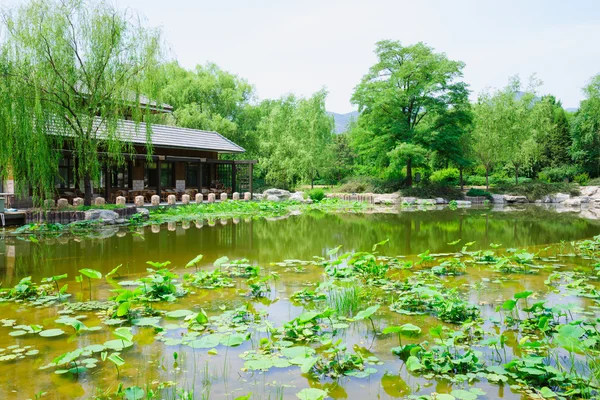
[
  {"x": 87, "y": 183},
  {"x": 487, "y": 178},
  {"x": 409, "y": 180},
  {"x": 516, "y": 174},
  {"x": 312, "y": 183},
  {"x": 462, "y": 186}
]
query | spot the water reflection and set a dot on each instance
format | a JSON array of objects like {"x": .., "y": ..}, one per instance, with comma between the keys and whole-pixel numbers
[{"x": 299, "y": 236}]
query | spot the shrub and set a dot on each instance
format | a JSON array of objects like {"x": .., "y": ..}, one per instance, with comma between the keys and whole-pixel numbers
[
  {"x": 362, "y": 184},
  {"x": 433, "y": 190},
  {"x": 316, "y": 194},
  {"x": 473, "y": 192},
  {"x": 582, "y": 179},
  {"x": 475, "y": 180},
  {"x": 559, "y": 174},
  {"x": 594, "y": 182},
  {"x": 446, "y": 176},
  {"x": 537, "y": 189}
]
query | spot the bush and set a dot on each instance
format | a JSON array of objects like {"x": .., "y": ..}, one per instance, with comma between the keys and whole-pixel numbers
[
  {"x": 446, "y": 176},
  {"x": 473, "y": 192},
  {"x": 475, "y": 180},
  {"x": 559, "y": 174},
  {"x": 582, "y": 179},
  {"x": 316, "y": 194},
  {"x": 364, "y": 184},
  {"x": 594, "y": 182},
  {"x": 537, "y": 189},
  {"x": 433, "y": 190}
]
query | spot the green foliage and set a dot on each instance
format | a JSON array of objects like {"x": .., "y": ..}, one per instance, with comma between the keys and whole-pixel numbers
[
  {"x": 559, "y": 174},
  {"x": 296, "y": 140},
  {"x": 474, "y": 192},
  {"x": 536, "y": 190},
  {"x": 366, "y": 184},
  {"x": 585, "y": 127},
  {"x": 73, "y": 69},
  {"x": 446, "y": 176},
  {"x": 430, "y": 191},
  {"x": 316, "y": 194},
  {"x": 411, "y": 101}
]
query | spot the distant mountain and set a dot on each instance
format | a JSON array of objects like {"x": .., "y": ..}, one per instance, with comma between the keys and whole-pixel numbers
[{"x": 342, "y": 120}]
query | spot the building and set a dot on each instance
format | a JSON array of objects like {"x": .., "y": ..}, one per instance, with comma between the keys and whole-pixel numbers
[{"x": 183, "y": 161}]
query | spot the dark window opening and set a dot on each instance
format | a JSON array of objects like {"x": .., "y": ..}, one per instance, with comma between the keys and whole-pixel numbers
[{"x": 191, "y": 174}]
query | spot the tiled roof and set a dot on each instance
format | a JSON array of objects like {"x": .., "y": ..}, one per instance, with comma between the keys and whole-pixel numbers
[{"x": 175, "y": 137}]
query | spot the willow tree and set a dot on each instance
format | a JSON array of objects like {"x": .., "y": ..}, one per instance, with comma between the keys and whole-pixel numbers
[{"x": 71, "y": 70}]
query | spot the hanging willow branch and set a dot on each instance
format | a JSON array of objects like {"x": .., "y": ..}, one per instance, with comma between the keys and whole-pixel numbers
[{"x": 71, "y": 70}]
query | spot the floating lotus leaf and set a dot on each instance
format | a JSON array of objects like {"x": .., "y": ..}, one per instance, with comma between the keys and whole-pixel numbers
[
  {"x": 52, "y": 332},
  {"x": 179, "y": 313}
]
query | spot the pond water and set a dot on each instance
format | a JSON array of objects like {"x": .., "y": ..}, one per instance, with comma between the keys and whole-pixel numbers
[{"x": 164, "y": 361}]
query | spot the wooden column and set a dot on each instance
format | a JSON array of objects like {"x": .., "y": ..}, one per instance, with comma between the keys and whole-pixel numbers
[
  {"x": 107, "y": 184},
  {"x": 158, "y": 171},
  {"x": 199, "y": 177}
]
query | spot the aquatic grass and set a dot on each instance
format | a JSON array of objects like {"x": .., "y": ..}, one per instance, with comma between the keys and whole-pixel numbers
[{"x": 345, "y": 300}]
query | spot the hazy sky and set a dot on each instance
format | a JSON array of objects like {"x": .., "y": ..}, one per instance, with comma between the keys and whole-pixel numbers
[{"x": 287, "y": 46}]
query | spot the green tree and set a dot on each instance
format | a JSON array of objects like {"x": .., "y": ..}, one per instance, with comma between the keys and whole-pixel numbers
[
  {"x": 410, "y": 102},
  {"x": 343, "y": 160},
  {"x": 511, "y": 124},
  {"x": 486, "y": 136},
  {"x": 557, "y": 147},
  {"x": 208, "y": 98},
  {"x": 296, "y": 139},
  {"x": 586, "y": 129},
  {"x": 71, "y": 70}
]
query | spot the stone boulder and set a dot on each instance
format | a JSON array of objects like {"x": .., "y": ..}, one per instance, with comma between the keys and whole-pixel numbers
[
  {"x": 574, "y": 202},
  {"x": 143, "y": 212},
  {"x": 199, "y": 198},
  {"x": 108, "y": 217},
  {"x": 498, "y": 199},
  {"x": 247, "y": 196},
  {"x": 62, "y": 204},
  {"x": 297, "y": 197},
  {"x": 77, "y": 201},
  {"x": 100, "y": 201},
  {"x": 516, "y": 199},
  {"x": 279, "y": 193},
  {"x": 155, "y": 200},
  {"x": 556, "y": 198},
  {"x": 426, "y": 202},
  {"x": 409, "y": 200},
  {"x": 439, "y": 200},
  {"x": 272, "y": 197}
]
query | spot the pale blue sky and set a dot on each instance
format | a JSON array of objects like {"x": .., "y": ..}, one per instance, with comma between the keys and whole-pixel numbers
[{"x": 300, "y": 46}]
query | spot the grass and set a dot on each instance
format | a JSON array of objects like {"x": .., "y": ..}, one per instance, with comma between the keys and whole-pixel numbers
[{"x": 345, "y": 300}]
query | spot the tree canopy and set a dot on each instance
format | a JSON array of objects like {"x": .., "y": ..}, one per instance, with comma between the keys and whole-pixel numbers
[
  {"x": 412, "y": 101},
  {"x": 71, "y": 70}
]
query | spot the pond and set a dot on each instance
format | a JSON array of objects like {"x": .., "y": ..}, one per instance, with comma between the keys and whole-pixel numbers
[{"x": 266, "y": 325}]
